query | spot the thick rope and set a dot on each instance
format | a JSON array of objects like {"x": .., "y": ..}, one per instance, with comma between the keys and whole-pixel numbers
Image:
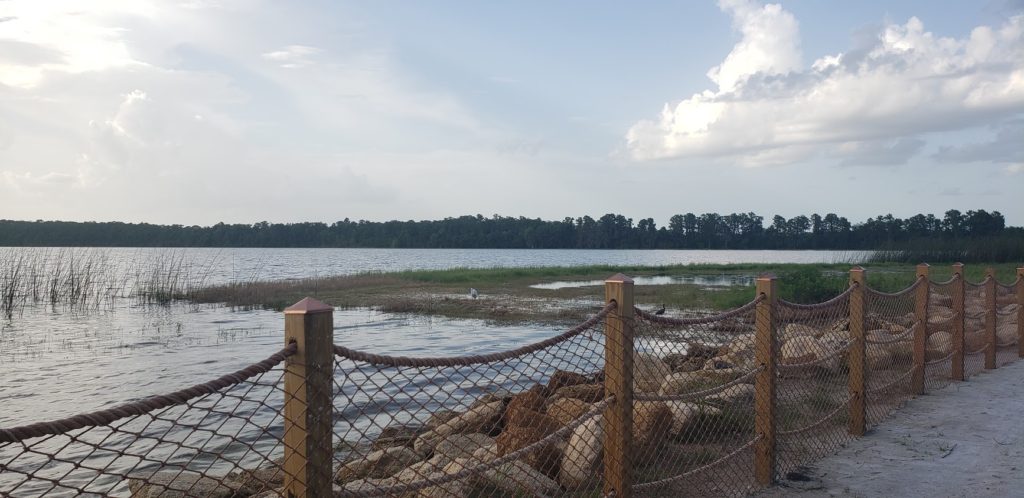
[
  {"x": 1005, "y": 344},
  {"x": 817, "y": 424},
  {"x": 947, "y": 282},
  {"x": 1010, "y": 286},
  {"x": 698, "y": 394},
  {"x": 940, "y": 360},
  {"x": 917, "y": 283},
  {"x": 1006, "y": 313},
  {"x": 143, "y": 406},
  {"x": 462, "y": 361},
  {"x": 682, "y": 322},
  {"x": 982, "y": 350},
  {"x": 426, "y": 482},
  {"x": 702, "y": 468},
  {"x": 822, "y": 305}
]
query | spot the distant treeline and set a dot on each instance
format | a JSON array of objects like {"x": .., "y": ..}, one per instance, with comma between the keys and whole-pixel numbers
[{"x": 611, "y": 231}]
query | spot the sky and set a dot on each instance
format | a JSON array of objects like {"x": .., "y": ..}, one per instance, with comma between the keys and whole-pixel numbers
[{"x": 205, "y": 111}]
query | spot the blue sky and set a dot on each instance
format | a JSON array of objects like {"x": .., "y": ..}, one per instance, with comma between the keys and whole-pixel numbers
[{"x": 200, "y": 111}]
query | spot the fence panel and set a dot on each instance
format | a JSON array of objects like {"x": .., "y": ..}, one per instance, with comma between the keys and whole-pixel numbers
[
  {"x": 976, "y": 341},
  {"x": 889, "y": 351},
  {"x": 939, "y": 342},
  {"x": 1007, "y": 337}
]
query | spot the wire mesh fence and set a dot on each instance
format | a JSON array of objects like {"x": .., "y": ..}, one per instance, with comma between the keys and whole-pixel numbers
[{"x": 628, "y": 402}]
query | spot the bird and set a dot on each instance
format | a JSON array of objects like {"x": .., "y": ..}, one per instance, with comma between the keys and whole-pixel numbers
[
  {"x": 661, "y": 311},
  {"x": 473, "y": 293}
]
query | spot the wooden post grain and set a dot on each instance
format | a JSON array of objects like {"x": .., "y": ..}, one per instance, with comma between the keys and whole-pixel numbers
[
  {"x": 307, "y": 399},
  {"x": 618, "y": 382},
  {"x": 858, "y": 304},
  {"x": 765, "y": 350},
  {"x": 921, "y": 331},
  {"x": 990, "y": 317},
  {"x": 959, "y": 291},
  {"x": 1020, "y": 312}
]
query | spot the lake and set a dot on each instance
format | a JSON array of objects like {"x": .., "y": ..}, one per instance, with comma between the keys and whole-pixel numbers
[{"x": 59, "y": 360}]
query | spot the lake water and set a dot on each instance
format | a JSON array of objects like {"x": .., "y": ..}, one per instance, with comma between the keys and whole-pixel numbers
[{"x": 57, "y": 361}]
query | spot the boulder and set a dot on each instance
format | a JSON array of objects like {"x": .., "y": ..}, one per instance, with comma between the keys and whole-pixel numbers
[
  {"x": 439, "y": 417},
  {"x": 794, "y": 330},
  {"x": 648, "y": 372},
  {"x": 531, "y": 399},
  {"x": 561, "y": 379},
  {"x": 378, "y": 464},
  {"x": 461, "y": 445},
  {"x": 938, "y": 345},
  {"x": 743, "y": 343},
  {"x": 1006, "y": 333},
  {"x": 806, "y": 349},
  {"x": 544, "y": 459},
  {"x": 684, "y": 382},
  {"x": 520, "y": 479},
  {"x": 483, "y": 418},
  {"x": 582, "y": 454},
  {"x": 740, "y": 393},
  {"x": 249, "y": 482},
  {"x": 686, "y": 413},
  {"x": 521, "y": 417},
  {"x": 877, "y": 356},
  {"x": 565, "y": 410},
  {"x": 652, "y": 421},
  {"x": 591, "y": 393},
  {"x": 398, "y": 435}
]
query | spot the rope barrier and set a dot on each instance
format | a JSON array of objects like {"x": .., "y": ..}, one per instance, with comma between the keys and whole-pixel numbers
[
  {"x": 682, "y": 322},
  {"x": 143, "y": 406},
  {"x": 816, "y": 361},
  {"x": 461, "y": 361},
  {"x": 893, "y": 383},
  {"x": 939, "y": 360},
  {"x": 816, "y": 424}
]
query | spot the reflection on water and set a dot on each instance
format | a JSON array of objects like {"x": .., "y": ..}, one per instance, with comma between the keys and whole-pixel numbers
[{"x": 702, "y": 280}]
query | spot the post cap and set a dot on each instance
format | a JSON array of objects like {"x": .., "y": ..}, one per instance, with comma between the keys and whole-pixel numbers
[
  {"x": 307, "y": 306},
  {"x": 619, "y": 278}
]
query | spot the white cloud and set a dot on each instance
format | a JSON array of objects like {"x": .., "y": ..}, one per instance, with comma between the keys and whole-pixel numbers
[
  {"x": 293, "y": 56},
  {"x": 907, "y": 83}
]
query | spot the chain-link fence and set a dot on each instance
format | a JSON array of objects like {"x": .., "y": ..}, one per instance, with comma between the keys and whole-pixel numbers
[{"x": 629, "y": 402}]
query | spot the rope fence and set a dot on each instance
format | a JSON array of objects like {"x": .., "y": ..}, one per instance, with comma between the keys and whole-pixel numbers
[{"x": 628, "y": 402}]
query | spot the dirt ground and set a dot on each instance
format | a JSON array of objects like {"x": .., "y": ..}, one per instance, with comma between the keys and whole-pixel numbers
[{"x": 964, "y": 440}]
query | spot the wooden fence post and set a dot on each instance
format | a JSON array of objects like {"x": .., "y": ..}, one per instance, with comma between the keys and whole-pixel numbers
[
  {"x": 959, "y": 289},
  {"x": 618, "y": 382},
  {"x": 857, "y": 351},
  {"x": 1020, "y": 312},
  {"x": 990, "y": 318},
  {"x": 921, "y": 332},
  {"x": 765, "y": 350},
  {"x": 308, "y": 377}
]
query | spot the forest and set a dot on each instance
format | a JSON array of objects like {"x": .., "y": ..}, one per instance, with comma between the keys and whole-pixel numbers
[{"x": 611, "y": 231}]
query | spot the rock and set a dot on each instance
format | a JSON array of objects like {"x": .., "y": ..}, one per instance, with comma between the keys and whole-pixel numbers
[
  {"x": 519, "y": 478},
  {"x": 454, "y": 489},
  {"x": 794, "y": 330},
  {"x": 938, "y": 345},
  {"x": 717, "y": 363},
  {"x": 740, "y": 393},
  {"x": 582, "y": 454},
  {"x": 367, "y": 485},
  {"x": 684, "y": 382},
  {"x": 877, "y": 356},
  {"x": 439, "y": 417},
  {"x": 591, "y": 393},
  {"x": 743, "y": 343},
  {"x": 561, "y": 379},
  {"x": 1006, "y": 333},
  {"x": 565, "y": 410},
  {"x": 804, "y": 350},
  {"x": 483, "y": 418},
  {"x": 940, "y": 319},
  {"x": 698, "y": 350},
  {"x": 249, "y": 482},
  {"x": 544, "y": 459},
  {"x": 461, "y": 445},
  {"x": 1009, "y": 311},
  {"x": 486, "y": 453},
  {"x": 490, "y": 397},
  {"x": 378, "y": 464},
  {"x": 685, "y": 414},
  {"x": 648, "y": 372},
  {"x": 652, "y": 421},
  {"x": 521, "y": 417},
  {"x": 531, "y": 399},
  {"x": 398, "y": 435},
  {"x": 842, "y": 325},
  {"x": 675, "y": 361},
  {"x": 177, "y": 484},
  {"x": 975, "y": 340}
]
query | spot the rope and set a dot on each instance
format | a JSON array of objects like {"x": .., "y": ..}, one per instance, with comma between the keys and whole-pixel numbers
[
  {"x": 698, "y": 394},
  {"x": 461, "y": 361},
  {"x": 402, "y": 489},
  {"x": 940, "y": 360},
  {"x": 817, "y": 424},
  {"x": 681, "y": 322},
  {"x": 979, "y": 284},
  {"x": 821, "y": 305},
  {"x": 893, "y": 383},
  {"x": 145, "y": 405},
  {"x": 702, "y": 468},
  {"x": 1006, "y": 313},
  {"x": 947, "y": 282},
  {"x": 816, "y": 361},
  {"x": 896, "y": 338},
  {"x": 1003, "y": 345},
  {"x": 1009, "y": 286},
  {"x": 982, "y": 350},
  {"x": 972, "y": 316},
  {"x": 917, "y": 283}
]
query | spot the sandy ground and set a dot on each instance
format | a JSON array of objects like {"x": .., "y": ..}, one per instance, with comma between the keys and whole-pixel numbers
[{"x": 964, "y": 440}]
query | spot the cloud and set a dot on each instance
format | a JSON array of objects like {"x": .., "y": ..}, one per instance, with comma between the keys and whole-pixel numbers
[
  {"x": 879, "y": 152},
  {"x": 882, "y": 97},
  {"x": 293, "y": 56},
  {"x": 1007, "y": 146}
]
